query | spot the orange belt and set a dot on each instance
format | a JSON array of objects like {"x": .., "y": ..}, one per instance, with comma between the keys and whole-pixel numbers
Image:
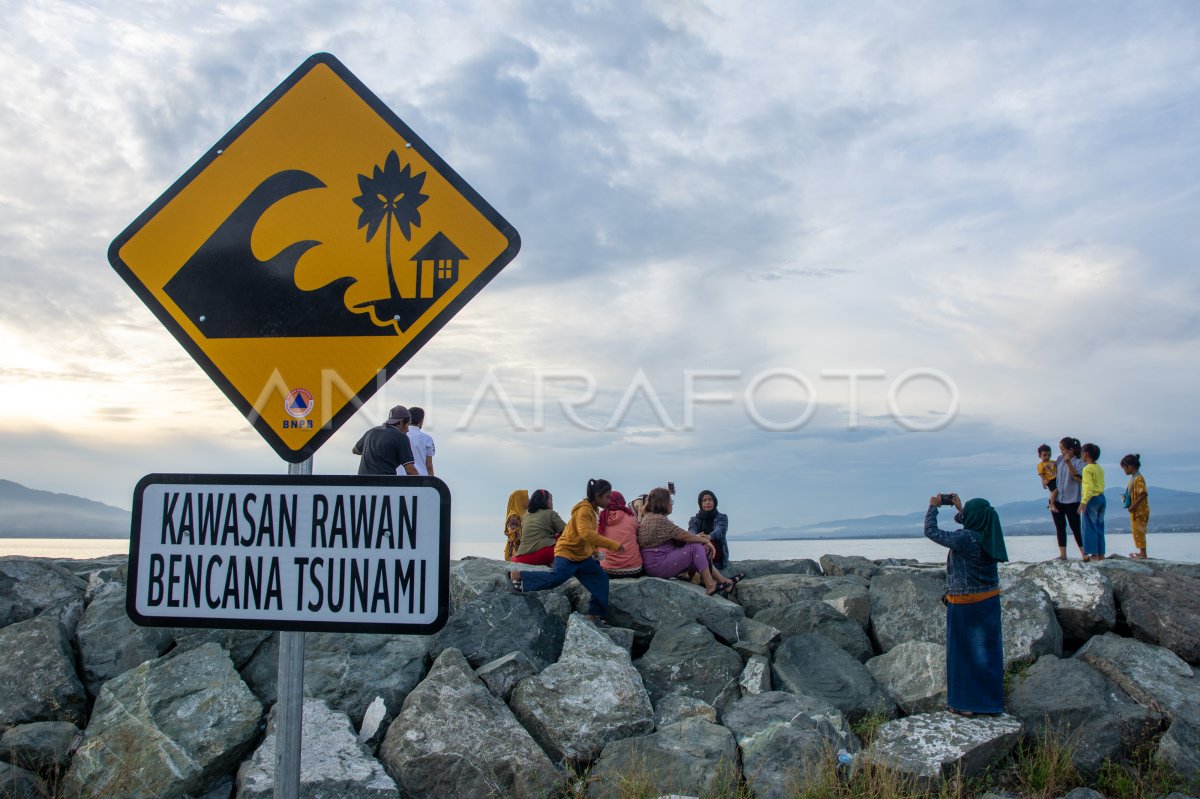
[{"x": 968, "y": 599}]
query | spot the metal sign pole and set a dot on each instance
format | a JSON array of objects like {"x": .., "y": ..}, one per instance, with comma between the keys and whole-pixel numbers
[{"x": 289, "y": 701}]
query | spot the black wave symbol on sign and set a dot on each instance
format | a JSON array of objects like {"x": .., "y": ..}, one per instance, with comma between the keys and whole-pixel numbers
[{"x": 229, "y": 293}]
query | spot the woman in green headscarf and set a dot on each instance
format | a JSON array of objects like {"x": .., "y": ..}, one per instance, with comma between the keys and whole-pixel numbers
[{"x": 974, "y": 640}]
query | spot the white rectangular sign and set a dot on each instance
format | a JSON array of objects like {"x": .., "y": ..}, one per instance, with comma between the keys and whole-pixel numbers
[{"x": 314, "y": 553}]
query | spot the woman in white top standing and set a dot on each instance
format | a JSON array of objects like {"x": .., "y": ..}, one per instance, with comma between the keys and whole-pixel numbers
[{"x": 1069, "y": 470}]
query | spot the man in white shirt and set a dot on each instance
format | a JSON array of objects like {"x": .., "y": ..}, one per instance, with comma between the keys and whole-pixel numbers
[{"x": 422, "y": 442}]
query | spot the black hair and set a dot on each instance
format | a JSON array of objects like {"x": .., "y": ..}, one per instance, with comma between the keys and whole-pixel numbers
[
  {"x": 418, "y": 415},
  {"x": 1092, "y": 451},
  {"x": 1071, "y": 444},
  {"x": 1043, "y": 448},
  {"x": 1132, "y": 460},
  {"x": 596, "y": 487},
  {"x": 538, "y": 500}
]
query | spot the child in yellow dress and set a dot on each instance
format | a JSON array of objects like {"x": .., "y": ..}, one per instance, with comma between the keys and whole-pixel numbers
[
  {"x": 1048, "y": 472},
  {"x": 1138, "y": 502}
]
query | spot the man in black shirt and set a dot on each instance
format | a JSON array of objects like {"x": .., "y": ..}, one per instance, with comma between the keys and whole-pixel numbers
[{"x": 386, "y": 449}]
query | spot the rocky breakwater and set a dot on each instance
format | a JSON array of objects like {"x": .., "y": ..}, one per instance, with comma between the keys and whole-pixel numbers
[{"x": 521, "y": 696}]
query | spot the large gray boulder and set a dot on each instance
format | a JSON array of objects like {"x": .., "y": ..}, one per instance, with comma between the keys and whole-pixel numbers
[
  {"x": 914, "y": 675},
  {"x": 852, "y": 601},
  {"x": 692, "y": 757},
  {"x": 812, "y": 665},
  {"x": 780, "y": 590},
  {"x": 929, "y": 747},
  {"x": 756, "y": 675},
  {"x": 1029, "y": 623},
  {"x": 494, "y": 624},
  {"x": 453, "y": 738},
  {"x": 674, "y": 708},
  {"x": 347, "y": 670},
  {"x": 18, "y": 783},
  {"x": 784, "y": 739},
  {"x": 762, "y": 568},
  {"x": 472, "y": 577},
  {"x": 165, "y": 728},
  {"x": 752, "y": 637},
  {"x": 1070, "y": 701},
  {"x": 645, "y": 604},
  {"x": 1161, "y": 609},
  {"x": 240, "y": 644},
  {"x": 1179, "y": 749},
  {"x": 686, "y": 659},
  {"x": 906, "y": 605},
  {"x": 1082, "y": 596},
  {"x": 590, "y": 697},
  {"x": 849, "y": 566},
  {"x": 1159, "y": 679},
  {"x": 40, "y": 746},
  {"x": 1153, "y": 675},
  {"x": 35, "y": 586},
  {"x": 1180, "y": 569},
  {"x": 502, "y": 674},
  {"x": 332, "y": 761},
  {"x": 110, "y": 643},
  {"x": 37, "y": 673},
  {"x": 817, "y": 616}
]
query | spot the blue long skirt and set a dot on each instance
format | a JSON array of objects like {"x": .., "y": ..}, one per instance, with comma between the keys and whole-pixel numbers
[
  {"x": 1093, "y": 526},
  {"x": 975, "y": 657}
]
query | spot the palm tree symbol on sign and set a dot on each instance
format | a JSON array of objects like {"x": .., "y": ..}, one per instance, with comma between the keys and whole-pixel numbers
[{"x": 392, "y": 196}]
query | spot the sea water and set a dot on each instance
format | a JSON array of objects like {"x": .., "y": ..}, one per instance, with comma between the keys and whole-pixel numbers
[{"x": 1181, "y": 547}]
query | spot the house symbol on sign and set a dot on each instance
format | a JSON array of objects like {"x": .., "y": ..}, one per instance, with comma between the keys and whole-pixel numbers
[{"x": 444, "y": 256}]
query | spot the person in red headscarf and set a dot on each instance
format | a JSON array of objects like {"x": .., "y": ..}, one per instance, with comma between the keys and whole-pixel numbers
[{"x": 620, "y": 523}]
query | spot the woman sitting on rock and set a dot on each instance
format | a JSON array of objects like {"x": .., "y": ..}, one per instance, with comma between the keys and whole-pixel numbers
[
  {"x": 712, "y": 524},
  {"x": 620, "y": 524},
  {"x": 517, "y": 501},
  {"x": 540, "y": 528},
  {"x": 974, "y": 641},
  {"x": 670, "y": 551},
  {"x": 573, "y": 554}
]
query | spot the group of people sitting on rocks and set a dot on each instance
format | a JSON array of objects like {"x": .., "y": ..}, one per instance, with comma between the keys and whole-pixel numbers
[{"x": 637, "y": 538}]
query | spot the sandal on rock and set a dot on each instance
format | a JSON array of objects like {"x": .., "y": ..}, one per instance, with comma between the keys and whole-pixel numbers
[
  {"x": 966, "y": 714},
  {"x": 515, "y": 583},
  {"x": 737, "y": 578},
  {"x": 600, "y": 622}
]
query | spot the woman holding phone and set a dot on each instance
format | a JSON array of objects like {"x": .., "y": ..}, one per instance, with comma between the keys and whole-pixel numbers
[{"x": 974, "y": 639}]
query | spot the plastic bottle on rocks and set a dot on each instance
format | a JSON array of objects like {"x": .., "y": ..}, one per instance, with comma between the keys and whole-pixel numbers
[{"x": 845, "y": 765}]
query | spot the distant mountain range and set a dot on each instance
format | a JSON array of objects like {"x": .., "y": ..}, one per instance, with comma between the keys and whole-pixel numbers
[
  {"x": 29, "y": 513},
  {"x": 1170, "y": 510}
]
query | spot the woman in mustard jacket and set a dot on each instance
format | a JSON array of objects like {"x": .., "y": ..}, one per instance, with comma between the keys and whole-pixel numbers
[{"x": 573, "y": 554}]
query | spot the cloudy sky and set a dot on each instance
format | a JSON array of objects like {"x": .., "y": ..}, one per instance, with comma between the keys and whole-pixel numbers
[{"x": 824, "y": 259}]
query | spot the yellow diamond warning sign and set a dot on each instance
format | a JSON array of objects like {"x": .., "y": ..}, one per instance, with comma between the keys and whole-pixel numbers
[{"x": 310, "y": 253}]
